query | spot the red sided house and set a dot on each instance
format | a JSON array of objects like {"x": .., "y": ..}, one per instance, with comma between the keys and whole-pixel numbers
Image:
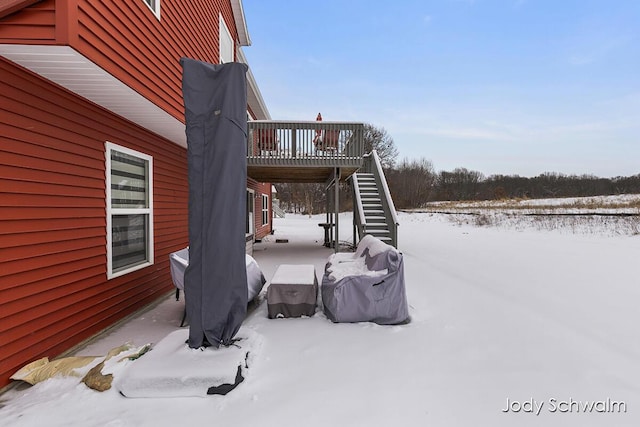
[{"x": 90, "y": 91}]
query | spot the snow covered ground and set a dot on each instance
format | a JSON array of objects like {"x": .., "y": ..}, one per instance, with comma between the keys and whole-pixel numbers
[
  {"x": 502, "y": 317},
  {"x": 598, "y": 215}
]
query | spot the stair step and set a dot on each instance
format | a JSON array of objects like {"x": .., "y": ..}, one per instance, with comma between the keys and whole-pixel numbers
[
  {"x": 378, "y": 226},
  {"x": 379, "y": 233},
  {"x": 375, "y": 220}
]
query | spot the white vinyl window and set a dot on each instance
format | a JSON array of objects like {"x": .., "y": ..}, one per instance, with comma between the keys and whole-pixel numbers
[
  {"x": 154, "y": 5},
  {"x": 250, "y": 224},
  {"x": 265, "y": 209},
  {"x": 129, "y": 190},
  {"x": 226, "y": 43}
]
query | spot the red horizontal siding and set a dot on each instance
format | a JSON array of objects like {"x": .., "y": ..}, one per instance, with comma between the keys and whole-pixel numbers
[
  {"x": 53, "y": 219},
  {"x": 260, "y": 189},
  {"x": 127, "y": 40},
  {"x": 33, "y": 24}
]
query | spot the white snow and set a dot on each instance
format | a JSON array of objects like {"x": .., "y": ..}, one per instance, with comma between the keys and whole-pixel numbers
[
  {"x": 377, "y": 247},
  {"x": 531, "y": 319},
  {"x": 172, "y": 369},
  {"x": 617, "y": 204},
  {"x": 356, "y": 267},
  {"x": 291, "y": 274}
]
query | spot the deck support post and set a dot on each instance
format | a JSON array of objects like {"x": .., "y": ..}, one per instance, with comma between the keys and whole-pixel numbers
[{"x": 336, "y": 183}]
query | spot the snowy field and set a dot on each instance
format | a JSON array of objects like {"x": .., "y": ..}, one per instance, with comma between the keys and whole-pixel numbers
[
  {"x": 599, "y": 215},
  {"x": 511, "y": 326}
]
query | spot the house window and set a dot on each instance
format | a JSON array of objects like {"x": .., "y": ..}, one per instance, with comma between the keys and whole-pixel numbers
[
  {"x": 226, "y": 43},
  {"x": 129, "y": 176},
  {"x": 250, "y": 225},
  {"x": 154, "y": 5},
  {"x": 265, "y": 209}
]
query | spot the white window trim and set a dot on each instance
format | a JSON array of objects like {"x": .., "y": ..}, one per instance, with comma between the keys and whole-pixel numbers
[
  {"x": 109, "y": 146},
  {"x": 224, "y": 30},
  {"x": 155, "y": 11},
  {"x": 265, "y": 209}
]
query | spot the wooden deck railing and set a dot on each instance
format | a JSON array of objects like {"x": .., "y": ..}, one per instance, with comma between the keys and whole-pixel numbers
[{"x": 304, "y": 140}]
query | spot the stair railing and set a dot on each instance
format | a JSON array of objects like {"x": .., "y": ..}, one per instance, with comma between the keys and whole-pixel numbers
[
  {"x": 358, "y": 218},
  {"x": 277, "y": 210},
  {"x": 373, "y": 165}
]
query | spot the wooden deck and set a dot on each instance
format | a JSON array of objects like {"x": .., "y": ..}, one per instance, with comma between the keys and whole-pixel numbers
[{"x": 279, "y": 151}]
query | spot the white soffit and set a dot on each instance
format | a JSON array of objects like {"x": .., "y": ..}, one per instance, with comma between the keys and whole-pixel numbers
[
  {"x": 71, "y": 70},
  {"x": 254, "y": 97},
  {"x": 241, "y": 22}
]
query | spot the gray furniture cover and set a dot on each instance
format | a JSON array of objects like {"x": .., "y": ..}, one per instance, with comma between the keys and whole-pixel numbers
[
  {"x": 293, "y": 291},
  {"x": 215, "y": 101},
  {"x": 374, "y": 293},
  {"x": 179, "y": 260}
]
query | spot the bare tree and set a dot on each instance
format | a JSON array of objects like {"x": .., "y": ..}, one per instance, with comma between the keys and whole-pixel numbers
[
  {"x": 460, "y": 184},
  {"x": 378, "y": 139},
  {"x": 411, "y": 183},
  {"x": 306, "y": 198}
]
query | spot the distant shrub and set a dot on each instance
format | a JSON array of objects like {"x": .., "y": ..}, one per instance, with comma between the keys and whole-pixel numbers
[{"x": 483, "y": 220}]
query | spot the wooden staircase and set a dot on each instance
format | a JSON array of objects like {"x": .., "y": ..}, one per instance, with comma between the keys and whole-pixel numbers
[{"x": 375, "y": 222}]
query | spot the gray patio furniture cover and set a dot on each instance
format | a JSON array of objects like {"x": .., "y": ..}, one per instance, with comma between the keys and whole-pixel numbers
[
  {"x": 293, "y": 291},
  {"x": 379, "y": 298},
  {"x": 215, "y": 100},
  {"x": 179, "y": 260}
]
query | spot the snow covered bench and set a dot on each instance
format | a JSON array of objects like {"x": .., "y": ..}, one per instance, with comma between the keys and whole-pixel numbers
[{"x": 366, "y": 286}]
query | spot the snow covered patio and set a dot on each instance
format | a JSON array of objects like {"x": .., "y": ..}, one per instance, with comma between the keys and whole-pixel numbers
[{"x": 544, "y": 324}]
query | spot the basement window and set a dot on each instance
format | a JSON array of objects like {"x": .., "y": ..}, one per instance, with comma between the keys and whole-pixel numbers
[{"x": 129, "y": 185}]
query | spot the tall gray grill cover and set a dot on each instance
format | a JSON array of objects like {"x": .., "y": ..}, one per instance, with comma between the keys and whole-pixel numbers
[{"x": 215, "y": 100}]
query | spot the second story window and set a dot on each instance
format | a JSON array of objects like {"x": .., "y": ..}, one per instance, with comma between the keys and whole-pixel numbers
[
  {"x": 154, "y": 5},
  {"x": 226, "y": 43}
]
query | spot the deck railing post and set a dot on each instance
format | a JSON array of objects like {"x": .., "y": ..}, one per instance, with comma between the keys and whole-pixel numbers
[{"x": 294, "y": 141}]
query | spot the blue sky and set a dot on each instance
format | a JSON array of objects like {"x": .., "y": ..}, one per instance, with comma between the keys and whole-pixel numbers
[{"x": 498, "y": 86}]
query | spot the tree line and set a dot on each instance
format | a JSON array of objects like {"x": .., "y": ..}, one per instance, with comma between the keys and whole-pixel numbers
[
  {"x": 464, "y": 184},
  {"x": 413, "y": 183}
]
